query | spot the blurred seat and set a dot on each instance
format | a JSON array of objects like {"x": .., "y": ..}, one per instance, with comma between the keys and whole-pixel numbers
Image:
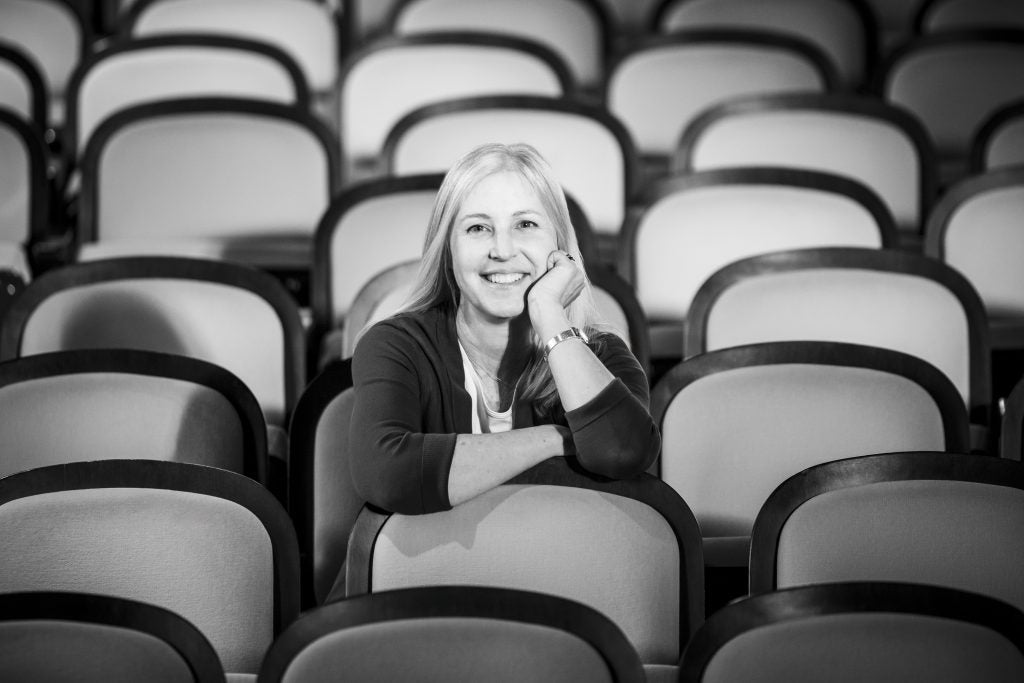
[
  {"x": 380, "y": 297},
  {"x": 211, "y": 545},
  {"x": 999, "y": 141},
  {"x": 620, "y": 309},
  {"x": 859, "y": 631},
  {"x": 877, "y": 297},
  {"x": 736, "y": 422},
  {"x": 227, "y": 314},
  {"x": 1011, "y": 434},
  {"x": 453, "y": 634},
  {"x": 589, "y": 150},
  {"x": 630, "y": 549},
  {"x": 54, "y": 35},
  {"x": 367, "y": 228},
  {"x": 943, "y": 519},
  {"x": 98, "y": 404},
  {"x": 22, "y": 89},
  {"x": 934, "y": 16},
  {"x": 305, "y": 30},
  {"x": 322, "y": 500},
  {"x": 876, "y": 143},
  {"x": 428, "y": 68},
  {"x": 952, "y": 82},
  {"x": 662, "y": 83},
  {"x": 232, "y": 178},
  {"x": 975, "y": 228},
  {"x": 686, "y": 227},
  {"x": 60, "y": 637},
  {"x": 137, "y": 71},
  {"x": 577, "y": 30},
  {"x": 24, "y": 193},
  {"x": 844, "y": 30}
]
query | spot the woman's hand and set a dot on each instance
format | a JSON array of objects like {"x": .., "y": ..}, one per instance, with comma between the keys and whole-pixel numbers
[{"x": 552, "y": 292}]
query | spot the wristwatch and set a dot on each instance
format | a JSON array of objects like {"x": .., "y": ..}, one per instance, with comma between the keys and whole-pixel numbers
[{"x": 571, "y": 333}]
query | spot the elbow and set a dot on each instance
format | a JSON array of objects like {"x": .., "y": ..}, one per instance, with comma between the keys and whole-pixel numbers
[{"x": 624, "y": 458}]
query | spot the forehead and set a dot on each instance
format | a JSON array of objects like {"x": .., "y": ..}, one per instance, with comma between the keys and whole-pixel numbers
[{"x": 504, "y": 191}]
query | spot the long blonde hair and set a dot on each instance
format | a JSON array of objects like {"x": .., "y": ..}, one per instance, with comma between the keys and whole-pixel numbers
[{"x": 435, "y": 284}]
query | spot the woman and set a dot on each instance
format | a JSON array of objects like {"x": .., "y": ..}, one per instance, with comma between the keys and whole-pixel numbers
[{"x": 497, "y": 362}]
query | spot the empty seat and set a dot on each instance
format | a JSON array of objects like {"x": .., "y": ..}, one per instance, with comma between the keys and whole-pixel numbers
[
  {"x": 844, "y": 30},
  {"x": 999, "y": 141},
  {"x": 662, "y": 83},
  {"x": 943, "y": 519},
  {"x": 953, "y": 81},
  {"x": 22, "y": 89},
  {"x": 859, "y": 631},
  {"x": 64, "y": 636},
  {"x": 97, "y": 404},
  {"x": 876, "y": 143},
  {"x": 934, "y": 16},
  {"x": 577, "y": 30},
  {"x": 736, "y": 422},
  {"x": 239, "y": 179},
  {"x": 453, "y": 634},
  {"x": 211, "y": 545},
  {"x": 688, "y": 226},
  {"x": 877, "y": 297},
  {"x": 24, "y": 192},
  {"x": 421, "y": 69}
]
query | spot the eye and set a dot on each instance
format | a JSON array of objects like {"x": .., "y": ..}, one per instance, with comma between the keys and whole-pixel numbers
[
  {"x": 527, "y": 224},
  {"x": 476, "y": 227}
]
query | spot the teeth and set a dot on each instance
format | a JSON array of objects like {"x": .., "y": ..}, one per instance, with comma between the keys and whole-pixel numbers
[{"x": 504, "y": 278}]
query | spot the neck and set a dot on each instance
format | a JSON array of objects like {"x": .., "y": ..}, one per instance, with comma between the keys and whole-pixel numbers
[{"x": 500, "y": 350}]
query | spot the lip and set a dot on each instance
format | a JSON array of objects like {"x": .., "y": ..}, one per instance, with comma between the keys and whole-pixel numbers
[{"x": 506, "y": 285}]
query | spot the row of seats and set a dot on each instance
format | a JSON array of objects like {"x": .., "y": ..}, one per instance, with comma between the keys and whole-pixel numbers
[{"x": 215, "y": 549}]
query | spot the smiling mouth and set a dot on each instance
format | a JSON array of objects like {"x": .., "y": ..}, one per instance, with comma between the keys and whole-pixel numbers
[{"x": 503, "y": 278}]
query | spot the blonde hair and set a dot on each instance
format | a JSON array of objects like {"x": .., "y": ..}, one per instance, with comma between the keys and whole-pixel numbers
[{"x": 435, "y": 285}]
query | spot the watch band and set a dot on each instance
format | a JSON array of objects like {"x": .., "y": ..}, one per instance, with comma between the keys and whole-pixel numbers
[{"x": 571, "y": 333}]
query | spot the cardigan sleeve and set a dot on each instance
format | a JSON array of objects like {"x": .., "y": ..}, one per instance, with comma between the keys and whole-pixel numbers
[
  {"x": 395, "y": 463},
  {"x": 614, "y": 432}
]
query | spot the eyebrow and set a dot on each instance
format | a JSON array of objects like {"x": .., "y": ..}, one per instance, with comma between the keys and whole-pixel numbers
[{"x": 521, "y": 212}]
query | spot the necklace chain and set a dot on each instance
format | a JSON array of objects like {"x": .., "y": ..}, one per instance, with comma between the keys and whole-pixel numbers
[{"x": 495, "y": 378}]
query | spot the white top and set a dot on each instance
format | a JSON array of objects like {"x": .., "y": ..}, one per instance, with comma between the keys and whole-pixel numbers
[{"x": 485, "y": 419}]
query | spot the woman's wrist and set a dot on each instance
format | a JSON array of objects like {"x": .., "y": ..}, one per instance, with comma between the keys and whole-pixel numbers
[{"x": 547, "y": 322}]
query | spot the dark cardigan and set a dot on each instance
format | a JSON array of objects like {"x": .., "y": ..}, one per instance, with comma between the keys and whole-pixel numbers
[{"x": 411, "y": 402}]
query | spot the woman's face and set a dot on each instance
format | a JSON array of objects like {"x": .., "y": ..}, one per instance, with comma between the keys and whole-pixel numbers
[{"x": 500, "y": 244}]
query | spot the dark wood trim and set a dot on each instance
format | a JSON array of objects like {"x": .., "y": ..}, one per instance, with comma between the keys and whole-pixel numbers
[
  {"x": 31, "y": 138},
  {"x": 39, "y": 97},
  {"x": 1014, "y": 111},
  {"x": 956, "y": 196}
]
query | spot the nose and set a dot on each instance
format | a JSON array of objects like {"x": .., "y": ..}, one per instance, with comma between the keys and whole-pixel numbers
[{"x": 502, "y": 245}]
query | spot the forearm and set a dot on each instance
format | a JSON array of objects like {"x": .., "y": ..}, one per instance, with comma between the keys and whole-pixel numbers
[
  {"x": 482, "y": 461},
  {"x": 579, "y": 374}
]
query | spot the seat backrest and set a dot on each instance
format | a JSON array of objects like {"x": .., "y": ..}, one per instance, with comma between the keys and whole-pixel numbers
[
  {"x": 952, "y": 82},
  {"x": 211, "y": 545},
  {"x": 24, "y": 193},
  {"x": 62, "y": 636},
  {"x": 859, "y": 631},
  {"x": 206, "y": 169},
  {"x": 380, "y": 297},
  {"x": 367, "y": 228},
  {"x": 576, "y": 30},
  {"x": 589, "y": 150},
  {"x": 790, "y": 405},
  {"x": 323, "y": 501},
  {"x": 22, "y": 89},
  {"x": 689, "y": 226},
  {"x": 842, "y": 29},
  {"x": 305, "y": 30},
  {"x": 923, "y": 517},
  {"x": 975, "y": 228},
  {"x": 422, "y": 69},
  {"x": 660, "y": 85},
  {"x": 877, "y": 297},
  {"x": 225, "y": 313},
  {"x": 54, "y": 36},
  {"x": 999, "y": 141},
  {"x": 875, "y": 143},
  {"x": 453, "y": 633},
  {"x": 62, "y": 406},
  {"x": 1011, "y": 432},
  {"x": 934, "y": 16},
  {"x": 635, "y": 542},
  {"x": 136, "y": 71},
  {"x": 617, "y": 303}
]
